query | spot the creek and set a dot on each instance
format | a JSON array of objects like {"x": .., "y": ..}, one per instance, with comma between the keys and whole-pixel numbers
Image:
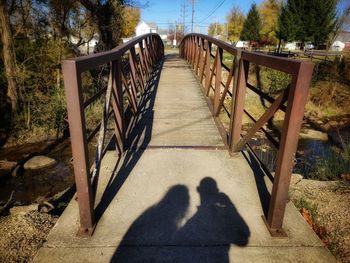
[
  {"x": 48, "y": 181},
  {"x": 44, "y": 182}
]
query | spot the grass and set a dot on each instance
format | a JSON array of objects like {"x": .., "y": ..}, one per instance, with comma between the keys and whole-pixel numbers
[
  {"x": 301, "y": 202},
  {"x": 328, "y": 99},
  {"x": 330, "y": 166}
]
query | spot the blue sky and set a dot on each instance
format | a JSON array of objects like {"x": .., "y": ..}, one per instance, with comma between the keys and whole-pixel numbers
[{"x": 165, "y": 12}]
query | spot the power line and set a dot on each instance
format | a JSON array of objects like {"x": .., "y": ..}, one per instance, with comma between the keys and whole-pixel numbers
[
  {"x": 213, "y": 10},
  {"x": 183, "y": 15}
]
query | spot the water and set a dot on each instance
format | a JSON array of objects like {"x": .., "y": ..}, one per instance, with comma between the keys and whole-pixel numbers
[
  {"x": 49, "y": 181},
  {"x": 310, "y": 153},
  {"x": 42, "y": 182}
]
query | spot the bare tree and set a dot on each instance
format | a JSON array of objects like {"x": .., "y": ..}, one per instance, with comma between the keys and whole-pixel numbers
[
  {"x": 342, "y": 23},
  {"x": 8, "y": 54},
  {"x": 107, "y": 15}
]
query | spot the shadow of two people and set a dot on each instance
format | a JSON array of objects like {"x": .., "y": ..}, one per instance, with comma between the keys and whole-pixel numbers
[{"x": 158, "y": 236}]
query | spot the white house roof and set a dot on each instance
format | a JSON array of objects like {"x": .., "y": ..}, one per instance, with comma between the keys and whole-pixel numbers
[
  {"x": 151, "y": 25},
  {"x": 343, "y": 36}
]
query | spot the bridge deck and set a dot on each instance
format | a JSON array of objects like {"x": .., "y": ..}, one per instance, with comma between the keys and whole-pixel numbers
[{"x": 180, "y": 204}]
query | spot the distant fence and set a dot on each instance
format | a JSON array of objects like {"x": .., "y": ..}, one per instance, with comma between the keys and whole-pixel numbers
[{"x": 312, "y": 55}]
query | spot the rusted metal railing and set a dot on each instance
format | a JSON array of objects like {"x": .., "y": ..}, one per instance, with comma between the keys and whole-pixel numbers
[
  {"x": 130, "y": 68},
  {"x": 198, "y": 50}
]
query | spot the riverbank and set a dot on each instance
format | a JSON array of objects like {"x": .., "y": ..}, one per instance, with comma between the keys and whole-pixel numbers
[
  {"x": 326, "y": 207},
  {"x": 23, "y": 232},
  {"x": 24, "y": 228}
]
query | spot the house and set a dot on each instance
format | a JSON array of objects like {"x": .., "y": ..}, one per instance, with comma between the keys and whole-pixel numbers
[
  {"x": 342, "y": 41},
  {"x": 291, "y": 46},
  {"x": 242, "y": 44},
  {"x": 145, "y": 28},
  {"x": 337, "y": 46},
  {"x": 85, "y": 46},
  {"x": 163, "y": 34}
]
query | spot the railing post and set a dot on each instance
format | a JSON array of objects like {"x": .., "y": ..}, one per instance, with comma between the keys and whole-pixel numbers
[
  {"x": 143, "y": 60},
  {"x": 207, "y": 68},
  {"x": 202, "y": 62},
  {"x": 133, "y": 80},
  {"x": 238, "y": 98},
  {"x": 189, "y": 49},
  {"x": 151, "y": 51},
  {"x": 76, "y": 117},
  {"x": 198, "y": 55},
  {"x": 289, "y": 140},
  {"x": 138, "y": 70},
  {"x": 148, "y": 58},
  {"x": 188, "y": 56},
  {"x": 193, "y": 58},
  {"x": 117, "y": 104},
  {"x": 217, "y": 89}
]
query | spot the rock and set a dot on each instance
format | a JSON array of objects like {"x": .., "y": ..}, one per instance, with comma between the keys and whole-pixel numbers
[
  {"x": 18, "y": 171},
  {"x": 313, "y": 135},
  {"x": 6, "y": 167},
  {"x": 38, "y": 162},
  {"x": 346, "y": 177},
  {"x": 22, "y": 210},
  {"x": 46, "y": 207},
  {"x": 295, "y": 179}
]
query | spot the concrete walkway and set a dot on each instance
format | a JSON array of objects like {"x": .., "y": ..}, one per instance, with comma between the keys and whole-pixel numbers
[{"x": 169, "y": 200}]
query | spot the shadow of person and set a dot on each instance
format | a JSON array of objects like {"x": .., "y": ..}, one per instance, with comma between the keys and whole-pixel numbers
[
  {"x": 154, "y": 229},
  {"x": 212, "y": 229}
]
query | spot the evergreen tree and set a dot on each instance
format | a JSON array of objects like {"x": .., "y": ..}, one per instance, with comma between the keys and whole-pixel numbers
[
  {"x": 323, "y": 22},
  {"x": 307, "y": 21},
  {"x": 252, "y": 25},
  {"x": 287, "y": 25}
]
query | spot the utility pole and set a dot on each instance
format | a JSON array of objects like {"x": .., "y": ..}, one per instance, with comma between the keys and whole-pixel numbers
[
  {"x": 226, "y": 32},
  {"x": 183, "y": 16},
  {"x": 174, "y": 42},
  {"x": 193, "y": 2}
]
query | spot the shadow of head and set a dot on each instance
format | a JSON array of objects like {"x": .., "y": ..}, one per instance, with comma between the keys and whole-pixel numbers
[
  {"x": 175, "y": 203},
  {"x": 207, "y": 186},
  {"x": 159, "y": 222}
]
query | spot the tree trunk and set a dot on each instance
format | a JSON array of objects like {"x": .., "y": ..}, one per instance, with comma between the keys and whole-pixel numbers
[
  {"x": 279, "y": 45},
  {"x": 8, "y": 54}
]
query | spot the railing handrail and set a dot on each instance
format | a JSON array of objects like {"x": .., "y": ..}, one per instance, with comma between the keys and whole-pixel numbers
[
  {"x": 284, "y": 64},
  {"x": 197, "y": 49},
  {"x": 91, "y": 61},
  {"x": 130, "y": 82}
]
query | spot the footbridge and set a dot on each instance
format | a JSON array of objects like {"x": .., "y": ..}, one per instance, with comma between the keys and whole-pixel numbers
[{"x": 174, "y": 176}]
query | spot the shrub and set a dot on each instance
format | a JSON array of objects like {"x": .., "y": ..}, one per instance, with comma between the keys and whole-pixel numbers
[{"x": 278, "y": 81}]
